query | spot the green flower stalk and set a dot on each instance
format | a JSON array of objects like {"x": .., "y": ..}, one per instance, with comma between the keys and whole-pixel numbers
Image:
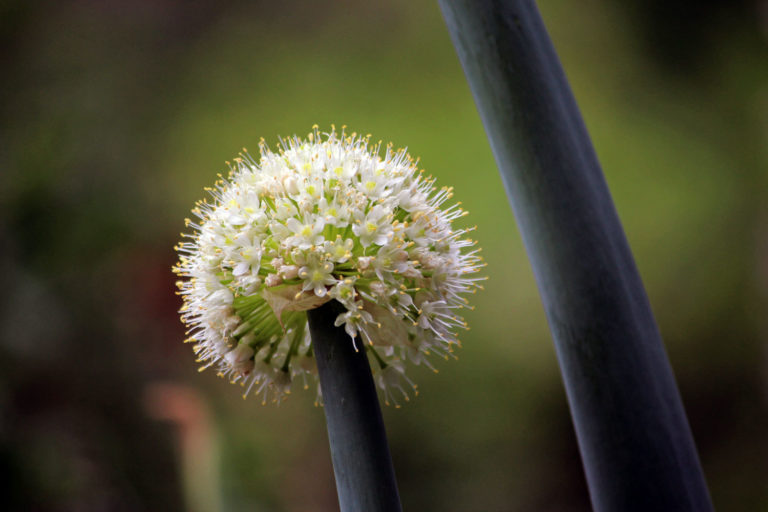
[
  {"x": 634, "y": 438},
  {"x": 323, "y": 218}
]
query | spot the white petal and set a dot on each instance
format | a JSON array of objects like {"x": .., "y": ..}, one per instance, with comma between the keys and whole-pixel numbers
[{"x": 241, "y": 268}]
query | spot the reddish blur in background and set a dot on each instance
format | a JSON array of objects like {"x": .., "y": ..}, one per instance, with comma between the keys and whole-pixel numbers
[{"x": 115, "y": 114}]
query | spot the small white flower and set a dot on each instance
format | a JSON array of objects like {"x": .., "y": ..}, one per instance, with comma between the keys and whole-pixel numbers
[
  {"x": 392, "y": 378},
  {"x": 344, "y": 292},
  {"x": 373, "y": 227},
  {"x": 247, "y": 260},
  {"x": 411, "y": 200},
  {"x": 390, "y": 259},
  {"x": 284, "y": 209},
  {"x": 340, "y": 250},
  {"x": 317, "y": 275},
  {"x": 335, "y": 213},
  {"x": 324, "y": 218},
  {"x": 376, "y": 184},
  {"x": 354, "y": 320},
  {"x": 305, "y": 234},
  {"x": 429, "y": 313}
]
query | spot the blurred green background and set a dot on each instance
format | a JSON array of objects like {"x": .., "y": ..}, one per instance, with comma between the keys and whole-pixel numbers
[{"x": 113, "y": 117}]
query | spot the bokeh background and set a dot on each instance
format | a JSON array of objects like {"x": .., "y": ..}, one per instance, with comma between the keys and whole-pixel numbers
[{"x": 114, "y": 115}]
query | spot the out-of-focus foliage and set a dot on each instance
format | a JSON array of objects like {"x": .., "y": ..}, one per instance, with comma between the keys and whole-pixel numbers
[{"x": 114, "y": 115}]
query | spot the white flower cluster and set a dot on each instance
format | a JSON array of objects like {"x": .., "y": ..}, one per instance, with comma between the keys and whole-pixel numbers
[{"x": 324, "y": 218}]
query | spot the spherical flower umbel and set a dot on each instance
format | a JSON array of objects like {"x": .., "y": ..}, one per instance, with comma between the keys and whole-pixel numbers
[{"x": 326, "y": 218}]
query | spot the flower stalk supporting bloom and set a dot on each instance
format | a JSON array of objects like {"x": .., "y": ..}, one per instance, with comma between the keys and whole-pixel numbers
[
  {"x": 365, "y": 477},
  {"x": 326, "y": 218}
]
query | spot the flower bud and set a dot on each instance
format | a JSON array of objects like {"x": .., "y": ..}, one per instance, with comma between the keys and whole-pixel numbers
[
  {"x": 240, "y": 359},
  {"x": 289, "y": 271},
  {"x": 363, "y": 262}
]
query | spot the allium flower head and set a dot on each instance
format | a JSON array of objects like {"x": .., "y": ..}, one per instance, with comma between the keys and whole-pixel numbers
[{"x": 324, "y": 218}]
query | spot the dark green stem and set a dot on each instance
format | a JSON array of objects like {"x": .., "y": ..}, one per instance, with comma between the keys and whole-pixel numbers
[
  {"x": 635, "y": 442},
  {"x": 365, "y": 478}
]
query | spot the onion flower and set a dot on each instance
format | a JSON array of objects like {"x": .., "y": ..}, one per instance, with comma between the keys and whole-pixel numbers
[{"x": 329, "y": 217}]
